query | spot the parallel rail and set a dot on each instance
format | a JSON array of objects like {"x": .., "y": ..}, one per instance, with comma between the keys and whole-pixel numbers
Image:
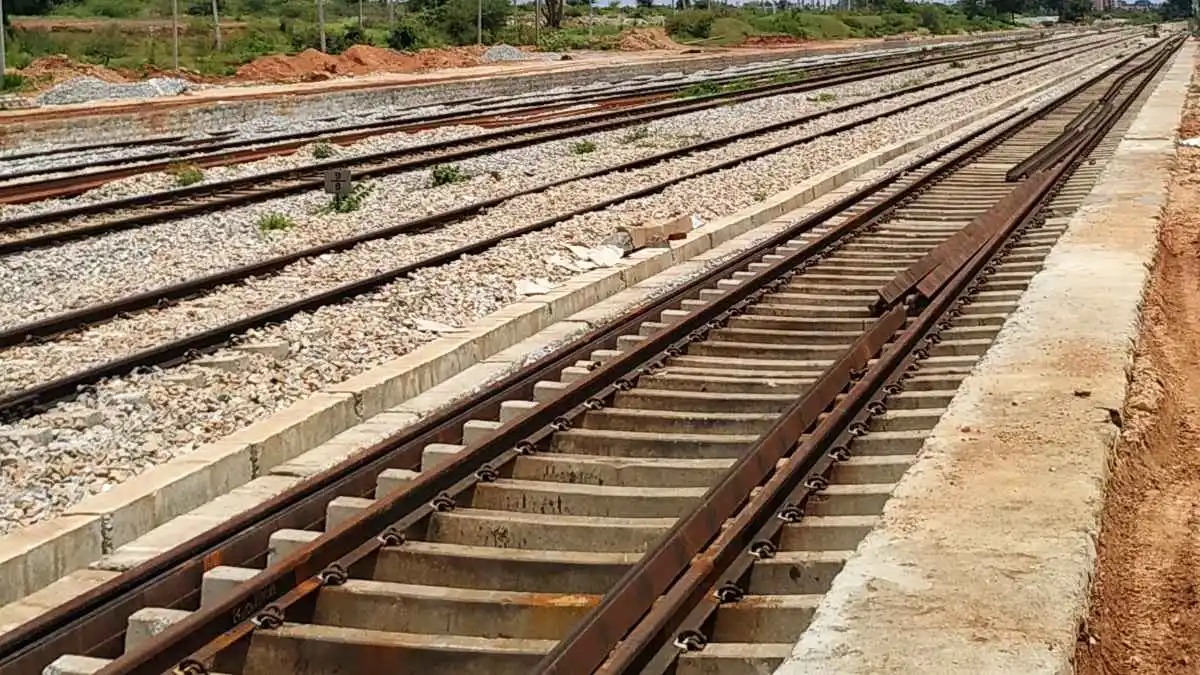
[
  {"x": 31, "y": 399},
  {"x": 838, "y": 383}
]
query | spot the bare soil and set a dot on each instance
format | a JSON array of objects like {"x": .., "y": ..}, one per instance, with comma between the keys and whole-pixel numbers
[{"x": 1145, "y": 616}]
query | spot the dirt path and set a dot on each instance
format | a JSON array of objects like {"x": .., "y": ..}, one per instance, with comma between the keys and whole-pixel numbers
[{"x": 1146, "y": 614}]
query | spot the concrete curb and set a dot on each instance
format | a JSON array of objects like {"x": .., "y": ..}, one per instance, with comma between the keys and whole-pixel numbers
[
  {"x": 135, "y": 508},
  {"x": 984, "y": 556}
]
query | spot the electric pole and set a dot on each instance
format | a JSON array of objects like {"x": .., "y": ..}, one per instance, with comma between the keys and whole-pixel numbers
[
  {"x": 174, "y": 32},
  {"x": 217, "y": 24},
  {"x": 2, "y": 63},
  {"x": 479, "y": 22},
  {"x": 321, "y": 21}
]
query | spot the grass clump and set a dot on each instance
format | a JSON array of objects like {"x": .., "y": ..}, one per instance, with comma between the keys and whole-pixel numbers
[
  {"x": 275, "y": 222},
  {"x": 349, "y": 202},
  {"x": 957, "y": 64},
  {"x": 186, "y": 174},
  {"x": 582, "y": 147},
  {"x": 823, "y": 97},
  {"x": 322, "y": 151},
  {"x": 446, "y": 174}
]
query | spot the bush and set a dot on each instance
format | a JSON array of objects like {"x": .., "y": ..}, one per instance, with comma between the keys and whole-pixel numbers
[
  {"x": 275, "y": 222},
  {"x": 699, "y": 89},
  {"x": 322, "y": 151},
  {"x": 11, "y": 82},
  {"x": 691, "y": 23},
  {"x": 186, "y": 174},
  {"x": 445, "y": 174},
  {"x": 582, "y": 147},
  {"x": 410, "y": 35}
]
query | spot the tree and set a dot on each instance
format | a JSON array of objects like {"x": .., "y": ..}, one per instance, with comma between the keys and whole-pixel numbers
[
  {"x": 647, "y": 4},
  {"x": 1176, "y": 9},
  {"x": 553, "y": 11},
  {"x": 1074, "y": 11}
]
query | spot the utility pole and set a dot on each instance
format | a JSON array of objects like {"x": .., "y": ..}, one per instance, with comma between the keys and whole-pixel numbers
[
  {"x": 174, "y": 33},
  {"x": 217, "y": 24},
  {"x": 478, "y": 22},
  {"x": 537, "y": 21},
  {"x": 360, "y": 15},
  {"x": 320, "y": 21}
]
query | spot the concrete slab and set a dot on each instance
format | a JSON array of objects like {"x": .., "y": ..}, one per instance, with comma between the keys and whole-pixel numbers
[{"x": 983, "y": 559}]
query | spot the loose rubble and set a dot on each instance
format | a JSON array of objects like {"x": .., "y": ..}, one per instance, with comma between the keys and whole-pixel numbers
[{"x": 85, "y": 89}]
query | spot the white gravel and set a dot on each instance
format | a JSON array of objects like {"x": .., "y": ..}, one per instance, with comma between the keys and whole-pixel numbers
[
  {"x": 41, "y": 283},
  {"x": 50, "y": 461}
]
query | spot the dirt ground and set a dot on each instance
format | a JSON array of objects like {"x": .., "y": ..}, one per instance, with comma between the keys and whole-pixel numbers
[{"x": 1146, "y": 612}]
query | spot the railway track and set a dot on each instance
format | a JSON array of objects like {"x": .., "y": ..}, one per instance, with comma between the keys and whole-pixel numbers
[
  {"x": 137, "y": 211},
  {"x": 219, "y": 149},
  {"x": 670, "y": 493},
  {"x": 30, "y": 399}
]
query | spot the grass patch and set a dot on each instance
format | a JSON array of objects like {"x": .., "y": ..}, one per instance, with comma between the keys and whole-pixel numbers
[
  {"x": 275, "y": 222},
  {"x": 349, "y": 202},
  {"x": 788, "y": 78},
  {"x": 445, "y": 174},
  {"x": 699, "y": 89},
  {"x": 957, "y": 64},
  {"x": 186, "y": 174},
  {"x": 322, "y": 151},
  {"x": 823, "y": 97},
  {"x": 582, "y": 147}
]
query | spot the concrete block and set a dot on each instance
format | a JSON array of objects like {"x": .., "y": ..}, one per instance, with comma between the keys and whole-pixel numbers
[
  {"x": 394, "y": 480},
  {"x": 539, "y": 345},
  {"x": 36, "y": 556},
  {"x": 342, "y": 509},
  {"x": 148, "y": 622},
  {"x": 455, "y": 389},
  {"x": 301, "y": 426},
  {"x": 510, "y": 410},
  {"x": 475, "y": 431},
  {"x": 220, "y": 581},
  {"x": 274, "y": 349},
  {"x": 228, "y": 362},
  {"x": 286, "y": 542},
  {"x": 137, "y": 506},
  {"x": 437, "y": 453}
]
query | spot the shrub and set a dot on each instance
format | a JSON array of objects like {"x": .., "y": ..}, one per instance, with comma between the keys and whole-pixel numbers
[
  {"x": 445, "y": 174},
  {"x": 352, "y": 201},
  {"x": 322, "y": 150},
  {"x": 186, "y": 174},
  {"x": 275, "y": 222},
  {"x": 456, "y": 18},
  {"x": 582, "y": 147},
  {"x": 12, "y": 82},
  {"x": 411, "y": 35}
]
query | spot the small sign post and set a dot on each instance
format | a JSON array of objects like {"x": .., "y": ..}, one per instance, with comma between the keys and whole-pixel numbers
[{"x": 337, "y": 182}]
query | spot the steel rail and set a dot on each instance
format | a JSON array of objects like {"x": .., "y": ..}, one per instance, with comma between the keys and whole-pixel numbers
[
  {"x": 628, "y": 627},
  {"x": 29, "y": 400},
  {"x": 291, "y": 581},
  {"x": 172, "y": 578},
  {"x": 73, "y": 320},
  {"x": 179, "y": 202},
  {"x": 399, "y": 123},
  {"x": 61, "y": 236}
]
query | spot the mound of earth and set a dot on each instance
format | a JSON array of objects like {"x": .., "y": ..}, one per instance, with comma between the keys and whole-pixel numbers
[
  {"x": 311, "y": 64},
  {"x": 50, "y": 70},
  {"x": 644, "y": 39}
]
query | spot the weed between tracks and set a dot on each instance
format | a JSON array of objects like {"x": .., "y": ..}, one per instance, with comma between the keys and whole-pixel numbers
[
  {"x": 322, "y": 151},
  {"x": 275, "y": 222},
  {"x": 349, "y": 202},
  {"x": 447, "y": 174},
  {"x": 582, "y": 147},
  {"x": 186, "y": 174}
]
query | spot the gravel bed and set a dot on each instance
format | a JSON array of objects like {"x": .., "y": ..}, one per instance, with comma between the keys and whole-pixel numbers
[
  {"x": 131, "y": 423},
  {"x": 42, "y": 283},
  {"x": 84, "y": 89}
]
